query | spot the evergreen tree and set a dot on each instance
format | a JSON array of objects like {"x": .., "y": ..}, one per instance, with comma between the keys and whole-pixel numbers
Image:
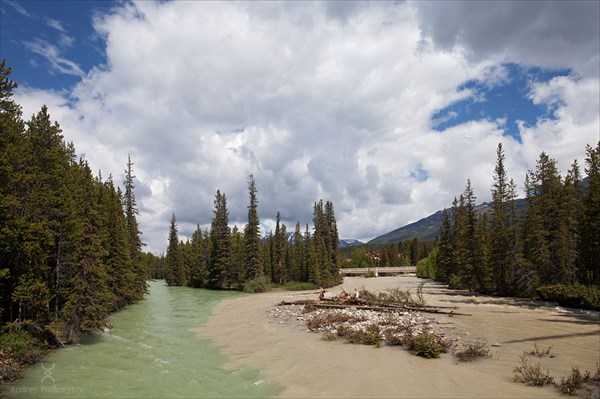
[
  {"x": 279, "y": 252},
  {"x": 542, "y": 223},
  {"x": 174, "y": 261},
  {"x": 219, "y": 273},
  {"x": 445, "y": 255},
  {"x": 199, "y": 258},
  {"x": 297, "y": 256},
  {"x": 589, "y": 243},
  {"x": 238, "y": 271},
  {"x": 133, "y": 231},
  {"x": 503, "y": 233},
  {"x": 253, "y": 261},
  {"x": 89, "y": 300}
]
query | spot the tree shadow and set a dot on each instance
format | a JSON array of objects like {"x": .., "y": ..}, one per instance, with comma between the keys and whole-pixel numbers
[
  {"x": 576, "y": 318},
  {"x": 546, "y": 337}
]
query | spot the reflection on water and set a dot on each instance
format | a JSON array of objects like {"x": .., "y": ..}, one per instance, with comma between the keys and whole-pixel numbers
[{"x": 150, "y": 352}]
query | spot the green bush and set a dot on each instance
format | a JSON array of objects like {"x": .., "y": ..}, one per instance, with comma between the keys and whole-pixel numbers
[
  {"x": 258, "y": 284},
  {"x": 426, "y": 267},
  {"x": 22, "y": 347},
  {"x": 426, "y": 345},
  {"x": 572, "y": 295}
]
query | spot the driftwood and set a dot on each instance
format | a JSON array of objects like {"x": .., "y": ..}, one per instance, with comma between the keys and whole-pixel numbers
[{"x": 364, "y": 305}]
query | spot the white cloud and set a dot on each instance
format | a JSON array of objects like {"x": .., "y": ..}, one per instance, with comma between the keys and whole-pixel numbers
[
  {"x": 317, "y": 100},
  {"x": 52, "y": 54}
]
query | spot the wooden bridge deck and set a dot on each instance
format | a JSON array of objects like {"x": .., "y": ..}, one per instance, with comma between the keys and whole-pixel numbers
[{"x": 379, "y": 271}]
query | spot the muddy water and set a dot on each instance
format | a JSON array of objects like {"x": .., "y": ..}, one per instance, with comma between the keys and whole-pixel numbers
[{"x": 307, "y": 366}]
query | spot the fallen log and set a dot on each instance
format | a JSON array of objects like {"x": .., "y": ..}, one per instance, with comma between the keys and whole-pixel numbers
[{"x": 388, "y": 308}]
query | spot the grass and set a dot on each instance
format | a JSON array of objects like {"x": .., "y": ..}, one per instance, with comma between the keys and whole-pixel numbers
[
  {"x": 471, "y": 351},
  {"x": 530, "y": 374},
  {"x": 541, "y": 353}
]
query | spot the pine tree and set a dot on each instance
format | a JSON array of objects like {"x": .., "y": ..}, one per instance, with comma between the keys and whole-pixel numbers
[
  {"x": 568, "y": 234},
  {"x": 89, "y": 300},
  {"x": 279, "y": 252},
  {"x": 542, "y": 222},
  {"x": 589, "y": 243},
  {"x": 219, "y": 273},
  {"x": 238, "y": 271},
  {"x": 253, "y": 261},
  {"x": 445, "y": 256},
  {"x": 297, "y": 256},
  {"x": 173, "y": 259},
  {"x": 133, "y": 231},
  {"x": 199, "y": 258},
  {"x": 503, "y": 233}
]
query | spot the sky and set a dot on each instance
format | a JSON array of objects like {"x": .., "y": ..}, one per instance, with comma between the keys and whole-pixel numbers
[{"x": 384, "y": 108}]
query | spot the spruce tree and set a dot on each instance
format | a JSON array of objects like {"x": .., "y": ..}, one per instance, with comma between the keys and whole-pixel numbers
[
  {"x": 589, "y": 225},
  {"x": 199, "y": 258},
  {"x": 133, "y": 231},
  {"x": 503, "y": 233},
  {"x": 543, "y": 222},
  {"x": 253, "y": 261},
  {"x": 219, "y": 273},
  {"x": 174, "y": 262},
  {"x": 445, "y": 256},
  {"x": 279, "y": 252}
]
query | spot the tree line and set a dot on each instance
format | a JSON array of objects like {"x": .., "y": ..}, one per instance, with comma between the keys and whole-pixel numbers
[
  {"x": 70, "y": 246},
  {"x": 240, "y": 259},
  {"x": 556, "y": 240}
]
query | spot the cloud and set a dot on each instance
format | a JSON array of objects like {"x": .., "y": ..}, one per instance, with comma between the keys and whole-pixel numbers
[
  {"x": 551, "y": 34},
  {"x": 18, "y": 8},
  {"x": 317, "y": 100},
  {"x": 56, "y": 24},
  {"x": 52, "y": 54}
]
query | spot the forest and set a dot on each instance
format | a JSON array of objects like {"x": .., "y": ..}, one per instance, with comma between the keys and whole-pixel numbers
[
  {"x": 551, "y": 251},
  {"x": 70, "y": 246},
  {"x": 240, "y": 259}
]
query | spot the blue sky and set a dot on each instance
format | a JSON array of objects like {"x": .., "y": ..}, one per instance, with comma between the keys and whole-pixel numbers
[{"x": 383, "y": 108}]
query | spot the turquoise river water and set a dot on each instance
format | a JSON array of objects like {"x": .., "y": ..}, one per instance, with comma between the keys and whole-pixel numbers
[{"x": 150, "y": 352}]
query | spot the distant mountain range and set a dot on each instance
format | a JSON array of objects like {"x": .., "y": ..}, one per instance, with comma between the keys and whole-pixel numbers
[
  {"x": 349, "y": 242},
  {"x": 428, "y": 228}
]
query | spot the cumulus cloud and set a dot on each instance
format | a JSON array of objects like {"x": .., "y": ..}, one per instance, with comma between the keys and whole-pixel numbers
[
  {"x": 551, "y": 34},
  {"x": 317, "y": 100}
]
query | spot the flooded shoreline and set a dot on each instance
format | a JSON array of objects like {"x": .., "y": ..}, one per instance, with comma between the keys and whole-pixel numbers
[{"x": 306, "y": 365}]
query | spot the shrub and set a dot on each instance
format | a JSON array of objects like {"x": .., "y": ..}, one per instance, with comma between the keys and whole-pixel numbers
[
  {"x": 573, "y": 382},
  {"x": 9, "y": 369},
  {"x": 22, "y": 347},
  {"x": 531, "y": 375},
  {"x": 471, "y": 351},
  {"x": 258, "y": 284},
  {"x": 572, "y": 295},
  {"x": 541, "y": 353},
  {"x": 426, "y": 345},
  {"x": 370, "y": 274}
]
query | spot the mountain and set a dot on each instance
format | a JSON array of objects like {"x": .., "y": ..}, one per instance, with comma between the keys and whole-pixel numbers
[
  {"x": 428, "y": 228},
  {"x": 349, "y": 242}
]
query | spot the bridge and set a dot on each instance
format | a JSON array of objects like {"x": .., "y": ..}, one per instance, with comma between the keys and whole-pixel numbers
[{"x": 378, "y": 271}]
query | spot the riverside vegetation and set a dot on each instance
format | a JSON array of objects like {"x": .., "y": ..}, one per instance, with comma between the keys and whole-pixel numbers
[{"x": 70, "y": 247}]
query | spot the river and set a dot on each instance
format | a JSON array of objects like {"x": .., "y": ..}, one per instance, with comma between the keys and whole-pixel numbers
[{"x": 150, "y": 352}]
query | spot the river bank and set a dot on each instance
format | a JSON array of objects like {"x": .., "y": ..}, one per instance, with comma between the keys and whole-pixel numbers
[{"x": 307, "y": 366}]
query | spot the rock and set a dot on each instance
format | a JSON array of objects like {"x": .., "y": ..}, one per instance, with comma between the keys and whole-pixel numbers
[
  {"x": 444, "y": 321},
  {"x": 496, "y": 345}
]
